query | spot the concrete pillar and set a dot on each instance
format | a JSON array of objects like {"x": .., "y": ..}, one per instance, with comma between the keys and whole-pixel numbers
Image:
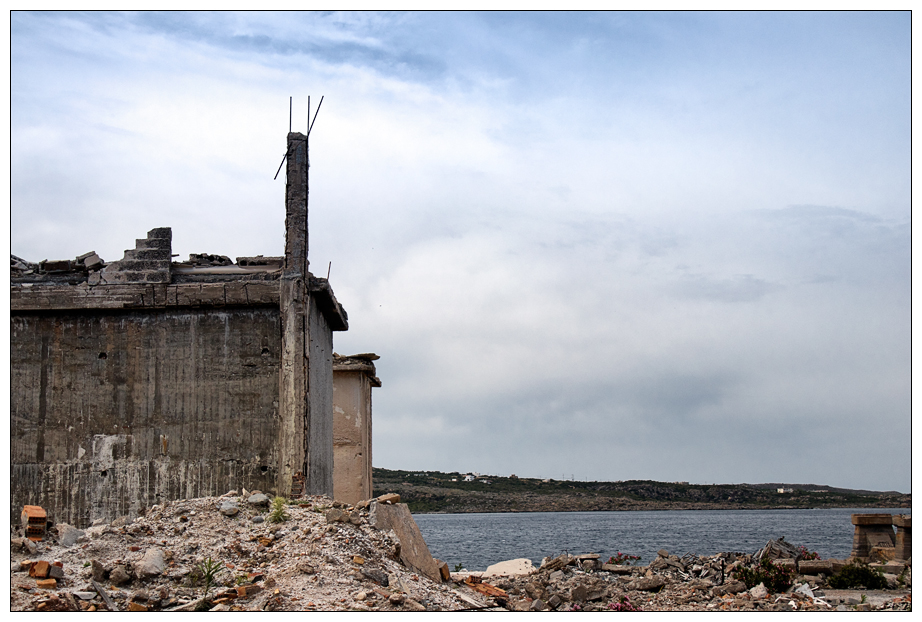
[
  {"x": 294, "y": 305},
  {"x": 353, "y": 379},
  {"x": 903, "y": 524},
  {"x": 871, "y": 530}
]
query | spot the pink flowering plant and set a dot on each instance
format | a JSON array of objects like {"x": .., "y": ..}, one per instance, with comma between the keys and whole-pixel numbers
[
  {"x": 623, "y": 604},
  {"x": 622, "y": 559},
  {"x": 807, "y": 554}
]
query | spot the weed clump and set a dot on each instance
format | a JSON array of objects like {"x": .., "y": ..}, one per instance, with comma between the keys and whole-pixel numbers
[
  {"x": 278, "y": 514},
  {"x": 775, "y": 578},
  {"x": 858, "y": 574}
]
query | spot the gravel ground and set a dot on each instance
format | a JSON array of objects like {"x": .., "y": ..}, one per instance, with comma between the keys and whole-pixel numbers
[{"x": 301, "y": 564}]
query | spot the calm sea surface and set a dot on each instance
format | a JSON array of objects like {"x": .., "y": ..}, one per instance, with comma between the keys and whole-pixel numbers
[{"x": 479, "y": 540}]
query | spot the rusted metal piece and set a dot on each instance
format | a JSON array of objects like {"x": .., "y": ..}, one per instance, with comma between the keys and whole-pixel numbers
[
  {"x": 476, "y": 584},
  {"x": 34, "y": 522}
]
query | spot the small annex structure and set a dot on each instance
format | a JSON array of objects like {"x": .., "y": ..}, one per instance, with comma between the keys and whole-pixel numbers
[
  {"x": 353, "y": 379},
  {"x": 145, "y": 380}
]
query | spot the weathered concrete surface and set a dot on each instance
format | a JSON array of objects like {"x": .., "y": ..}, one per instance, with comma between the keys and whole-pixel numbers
[
  {"x": 112, "y": 412},
  {"x": 305, "y": 432},
  {"x": 413, "y": 550},
  {"x": 871, "y": 530},
  {"x": 353, "y": 379},
  {"x": 510, "y": 568},
  {"x": 318, "y": 457}
]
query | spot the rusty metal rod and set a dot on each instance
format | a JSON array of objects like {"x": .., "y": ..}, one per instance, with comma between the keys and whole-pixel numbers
[{"x": 315, "y": 116}]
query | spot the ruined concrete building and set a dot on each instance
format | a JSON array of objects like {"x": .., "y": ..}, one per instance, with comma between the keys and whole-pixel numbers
[{"x": 145, "y": 380}]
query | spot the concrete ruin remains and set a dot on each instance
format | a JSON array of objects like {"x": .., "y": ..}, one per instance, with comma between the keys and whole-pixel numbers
[
  {"x": 144, "y": 380},
  {"x": 353, "y": 379},
  {"x": 874, "y": 538}
]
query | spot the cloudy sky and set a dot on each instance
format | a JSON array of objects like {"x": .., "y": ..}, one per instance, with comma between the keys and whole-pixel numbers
[{"x": 670, "y": 246}]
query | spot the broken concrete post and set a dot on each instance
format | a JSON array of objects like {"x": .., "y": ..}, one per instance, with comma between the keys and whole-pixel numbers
[
  {"x": 413, "y": 550},
  {"x": 305, "y": 436},
  {"x": 871, "y": 530}
]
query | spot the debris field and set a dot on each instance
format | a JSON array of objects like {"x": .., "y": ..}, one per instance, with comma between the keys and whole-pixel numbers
[{"x": 241, "y": 552}]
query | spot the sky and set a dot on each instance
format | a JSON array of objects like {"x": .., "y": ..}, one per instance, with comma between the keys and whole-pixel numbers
[{"x": 600, "y": 246}]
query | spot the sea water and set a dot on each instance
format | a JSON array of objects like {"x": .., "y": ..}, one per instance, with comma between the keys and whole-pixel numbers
[{"x": 478, "y": 540}]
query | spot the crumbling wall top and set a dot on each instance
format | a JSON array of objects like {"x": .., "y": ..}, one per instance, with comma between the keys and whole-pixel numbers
[{"x": 358, "y": 363}]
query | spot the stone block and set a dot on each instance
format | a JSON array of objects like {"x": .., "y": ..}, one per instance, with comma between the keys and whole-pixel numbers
[
  {"x": 872, "y": 519},
  {"x": 815, "y": 566},
  {"x": 151, "y": 254},
  {"x": 68, "y": 535},
  {"x": 212, "y": 294},
  {"x": 235, "y": 293},
  {"x": 46, "y": 584},
  {"x": 617, "y": 569},
  {"x": 787, "y": 564},
  {"x": 444, "y": 572},
  {"x": 510, "y": 568},
  {"x": 413, "y": 550},
  {"x": 263, "y": 293}
]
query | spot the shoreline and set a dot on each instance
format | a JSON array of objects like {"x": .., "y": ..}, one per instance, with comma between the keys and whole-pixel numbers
[{"x": 908, "y": 509}]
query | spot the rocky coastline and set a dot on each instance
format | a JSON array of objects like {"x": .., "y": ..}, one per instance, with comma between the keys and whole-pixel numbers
[{"x": 434, "y": 492}]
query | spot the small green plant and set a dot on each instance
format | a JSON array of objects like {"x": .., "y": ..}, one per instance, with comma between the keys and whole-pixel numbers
[
  {"x": 459, "y": 567},
  {"x": 88, "y": 564},
  {"x": 622, "y": 559},
  {"x": 864, "y": 598},
  {"x": 277, "y": 514},
  {"x": 775, "y": 578},
  {"x": 208, "y": 569},
  {"x": 858, "y": 574}
]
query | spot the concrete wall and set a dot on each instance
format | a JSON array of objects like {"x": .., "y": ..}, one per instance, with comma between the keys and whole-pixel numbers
[
  {"x": 353, "y": 380},
  {"x": 318, "y": 453},
  {"x": 113, "y": 411}
]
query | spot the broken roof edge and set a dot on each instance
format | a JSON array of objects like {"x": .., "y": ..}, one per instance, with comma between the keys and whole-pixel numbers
[{"x": 334, "y": 313}]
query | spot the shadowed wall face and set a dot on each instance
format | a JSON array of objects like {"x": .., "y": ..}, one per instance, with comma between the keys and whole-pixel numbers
[{"x": 111, "y": 413}]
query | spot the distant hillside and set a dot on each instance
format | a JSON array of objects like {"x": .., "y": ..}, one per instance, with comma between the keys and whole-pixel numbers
[{"x": 433, "y": 491}]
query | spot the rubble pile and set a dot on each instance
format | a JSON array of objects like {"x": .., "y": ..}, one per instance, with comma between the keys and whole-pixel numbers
[
  {"x": 322, "y": 556},
  {"x": 209, "y": 260},
  {"x": 227, "y": 554},
  {"x": 85, "y": 263},
  {"x": 687, "y": 583}
]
